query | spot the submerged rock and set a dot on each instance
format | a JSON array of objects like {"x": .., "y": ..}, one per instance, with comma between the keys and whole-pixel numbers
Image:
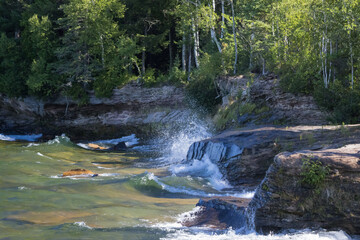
[
  {"x": 219, "y": 213},
  {"x": 294, "y": 197},
  {"x": 96, "y": 146},
  {"x": 118, "y": 147},
  {"x": 79, "y": 172}
]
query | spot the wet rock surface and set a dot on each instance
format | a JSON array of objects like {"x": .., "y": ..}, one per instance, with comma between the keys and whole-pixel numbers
[
  {"x": 285, "y": 201},
  {"x": 219, "y": 213},
  {"x": 243, "y": 156}
]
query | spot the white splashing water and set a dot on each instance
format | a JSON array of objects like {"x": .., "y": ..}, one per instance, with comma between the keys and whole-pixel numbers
[
  {"x": 130, "y": 140},
  {"x": 203, "y": 168},
  {"x": 29, "y": 138},
  {"x": 42, "y": 155},
  {"x": 82, "y": 224},
  {"x": 59, "y": 139},
  {"x": 232, "y": 235},
  {"x": 192, "y": 131}
]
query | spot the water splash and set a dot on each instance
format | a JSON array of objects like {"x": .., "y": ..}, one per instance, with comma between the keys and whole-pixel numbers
[
  {"x": 203, "y": 168},
  {"x": 177, "y": 143},
  {"x": 185, "y": 234}
]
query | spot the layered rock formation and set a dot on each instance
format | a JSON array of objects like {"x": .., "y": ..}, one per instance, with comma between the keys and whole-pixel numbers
[
  {"x": 317, "y": 185},
  {"x": 131, "y": 109},
  {"x": 243, "y": 156},
  {"x": 285, "y": 201},
  {"x": 264, "y": 91}
]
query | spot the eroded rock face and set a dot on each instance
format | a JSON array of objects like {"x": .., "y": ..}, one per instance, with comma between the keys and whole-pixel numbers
[
  {"x": 219, "y": 213},
  {"x": 244, "y": 156},
  {"x": 131, "y": 109},
  {"x": 264, "y": 91},
  {"x": 284, "y": 201}
]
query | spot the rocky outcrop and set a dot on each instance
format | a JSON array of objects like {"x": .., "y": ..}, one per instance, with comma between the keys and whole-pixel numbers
[
  {"x": 285, "y": 200},
  {"x": 131, "y": 109},
  {"x": 273, "y": 105},
  {"x": 244, "y": 156},
  {"x": 286, "y": 107},
  {"x": 219, "y": 213}
]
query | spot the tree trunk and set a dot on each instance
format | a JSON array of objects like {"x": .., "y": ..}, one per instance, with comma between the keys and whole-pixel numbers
[
  {"x": 102, "y": 51},
  {"x": 222, "y": 19},
  {"x": 170, "y": 49},
  {"x": 196, "y": 44},
  {"x": 183, "y": 56},
  {"x": 212, "y": 28},
  {"x": 189, "y": 63},
  {"x": 143, "y": 58},
  {"x": 234, "y": 32}
]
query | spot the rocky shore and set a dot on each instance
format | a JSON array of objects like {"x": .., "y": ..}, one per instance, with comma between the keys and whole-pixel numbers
[
  {"x": 131, "y": 109},
  {"x": 287, "y": 165}
]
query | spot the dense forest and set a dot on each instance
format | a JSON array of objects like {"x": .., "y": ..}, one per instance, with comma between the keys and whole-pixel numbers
[{"x": 50, "y": 47}]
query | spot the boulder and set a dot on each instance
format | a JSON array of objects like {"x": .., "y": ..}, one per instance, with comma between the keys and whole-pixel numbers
[
  {"x": 219, "y": 213},
  {"x": 118, "y": 147},
  {"x": 79, "y": 172},
  {"x": 293, "y": 196}
]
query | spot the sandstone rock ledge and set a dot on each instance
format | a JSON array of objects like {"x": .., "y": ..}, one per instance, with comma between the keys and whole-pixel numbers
[
  {"x": 283, "y": 201},
  {"x": 243, "y": 156}
]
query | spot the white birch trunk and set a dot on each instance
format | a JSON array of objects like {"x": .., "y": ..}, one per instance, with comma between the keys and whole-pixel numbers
[
  {"x": 189, "y": 62},
  {"x": 234, "y": 32},
  {"x": 222, "y": 19},
  {"x": 196, "y": 44},
  {"x": 212, "y": 28},
  {"x": 183, "y": 55}
]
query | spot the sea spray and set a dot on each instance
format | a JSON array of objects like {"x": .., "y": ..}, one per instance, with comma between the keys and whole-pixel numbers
[{"x": 177, "y": 143}]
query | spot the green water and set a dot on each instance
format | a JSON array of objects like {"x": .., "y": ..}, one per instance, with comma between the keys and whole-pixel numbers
[
  {"x": 132, "y": 198},
  {"x": 121, "y": 203}
]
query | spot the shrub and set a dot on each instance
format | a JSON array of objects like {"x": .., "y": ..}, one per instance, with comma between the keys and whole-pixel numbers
[{"x": 313, "y": 172}]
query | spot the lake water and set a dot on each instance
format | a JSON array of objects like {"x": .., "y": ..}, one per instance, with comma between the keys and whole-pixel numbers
[{"x": 141, "y": 193}]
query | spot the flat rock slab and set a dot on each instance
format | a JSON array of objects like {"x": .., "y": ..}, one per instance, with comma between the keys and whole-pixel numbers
[{"x": 243, "y": 156}]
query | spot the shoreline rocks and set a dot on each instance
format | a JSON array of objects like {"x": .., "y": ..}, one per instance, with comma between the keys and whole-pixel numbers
[
  {"x": 79, "y": 172},
  {"x": 329, "y": 198},
  {"x": 243, "y": 156},
  {"x": 285, "y": 201},
  {"x": 131, "y": 110},
  {"x": 219, "y": 213}
]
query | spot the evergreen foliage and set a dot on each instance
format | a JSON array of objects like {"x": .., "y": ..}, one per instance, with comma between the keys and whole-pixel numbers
[{"x": 73, "y": 46}]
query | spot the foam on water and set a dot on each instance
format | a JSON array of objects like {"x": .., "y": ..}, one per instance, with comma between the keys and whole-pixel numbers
[
  {"x": 203, "y": 168},
  {"x": 184, "y": 234},
  {"x": 42, "y": 155},
  {"x": 191, "y": 191},
  {"x": 82, "y": 224},
  {"x": 29, "y": 138},
  {"x": 130, "y": 140},
  {"x": 59, "y": 139}
]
